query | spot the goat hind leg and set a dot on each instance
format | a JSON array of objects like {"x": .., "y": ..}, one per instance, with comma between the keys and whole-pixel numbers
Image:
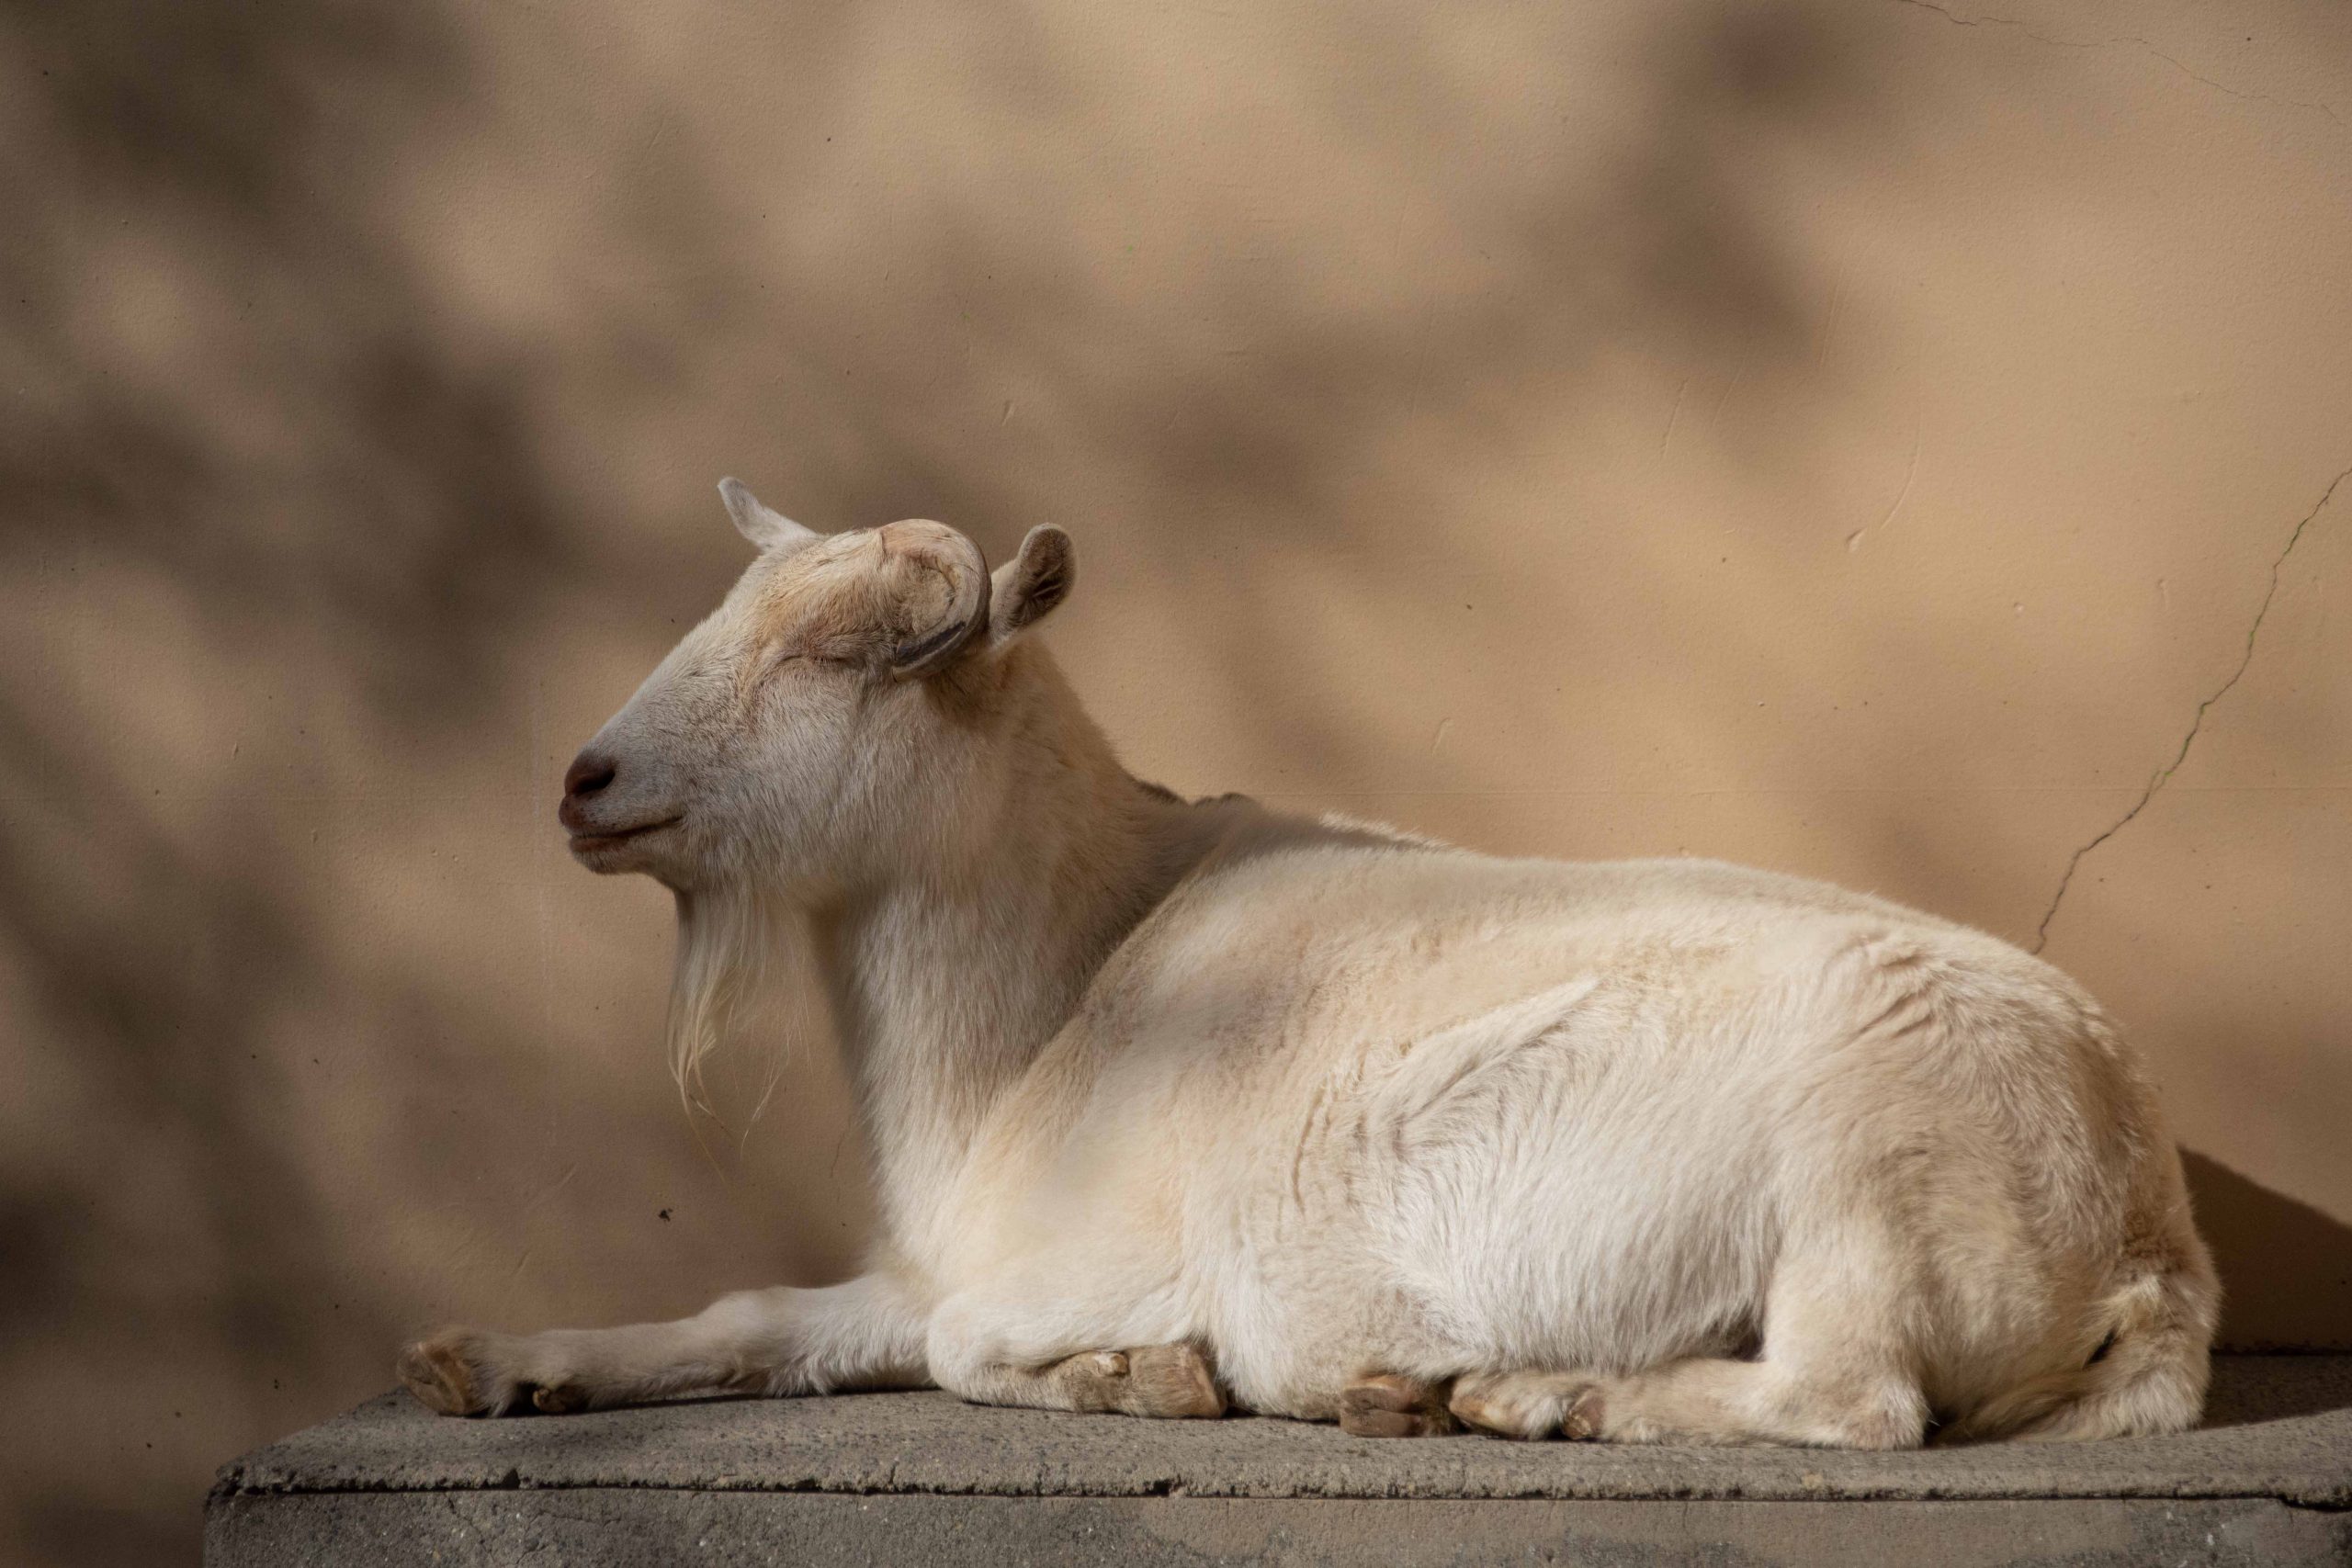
[
  {"x": 1701, "y": 1400},
  {"x": 1837, "y": 1370},
  {"x": 1528, "y": 1405}
]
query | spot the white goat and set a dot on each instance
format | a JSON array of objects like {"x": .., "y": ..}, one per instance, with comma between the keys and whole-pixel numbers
[{"x": 1176, "y": 1103}]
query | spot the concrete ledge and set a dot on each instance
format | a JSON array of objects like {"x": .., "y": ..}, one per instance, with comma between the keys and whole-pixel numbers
[{"x": 921, "y": 1477}]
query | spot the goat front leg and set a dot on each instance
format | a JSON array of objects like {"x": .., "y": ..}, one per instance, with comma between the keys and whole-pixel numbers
[
  {"x": 997, "y": 1350},
  {"x": 866, "y": 1334}
]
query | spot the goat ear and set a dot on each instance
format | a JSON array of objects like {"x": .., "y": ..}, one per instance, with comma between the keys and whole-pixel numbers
[
  {"x": 1028, "y": 586},
  {"x": 769, "y": 530},
  {"x": 936, "y": 646}
]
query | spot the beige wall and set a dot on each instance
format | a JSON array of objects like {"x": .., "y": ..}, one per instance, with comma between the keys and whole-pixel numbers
[{"x": 1868, "y": 440}]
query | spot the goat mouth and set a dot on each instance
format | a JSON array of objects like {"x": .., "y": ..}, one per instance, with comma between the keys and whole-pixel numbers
[{"x": 605, "y": 839}]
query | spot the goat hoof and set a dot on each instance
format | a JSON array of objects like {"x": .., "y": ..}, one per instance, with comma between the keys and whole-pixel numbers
[
  {"x": 467, "y": 1371},
  {"x": 559, "y": 1399},
  {"x": 1532, "y": 1405},
  {"x": 442, "y": 1375},
  {"x": 1170, "y": 1381},
  {"x": 1387, "y": 1406}
]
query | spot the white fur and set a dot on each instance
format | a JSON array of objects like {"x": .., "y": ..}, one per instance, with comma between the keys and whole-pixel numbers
[{"x": 1635, "y": 1150}]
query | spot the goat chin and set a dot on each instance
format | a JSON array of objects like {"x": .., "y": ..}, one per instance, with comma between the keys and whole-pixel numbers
[{"x": 1176, "y": 1105}]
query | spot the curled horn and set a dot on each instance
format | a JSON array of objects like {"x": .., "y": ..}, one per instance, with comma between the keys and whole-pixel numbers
[{"x": 968, "y": 572}]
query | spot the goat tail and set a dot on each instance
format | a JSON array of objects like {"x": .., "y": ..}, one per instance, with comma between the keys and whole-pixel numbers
[{"x": 2150, "y": 1371}]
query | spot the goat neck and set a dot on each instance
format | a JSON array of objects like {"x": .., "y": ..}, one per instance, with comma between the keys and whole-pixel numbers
[{"x": 949, "y": 974}]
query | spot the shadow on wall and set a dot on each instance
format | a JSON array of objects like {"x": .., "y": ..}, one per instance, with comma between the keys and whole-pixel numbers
[
  {"x": 265, "y": 521},
  {"x": 2296, "y": 1259},
  {"x": 1273, "y": 413}
]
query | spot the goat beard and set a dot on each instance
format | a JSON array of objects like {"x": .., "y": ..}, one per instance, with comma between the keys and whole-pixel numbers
[{"x": 731, "y": 942}]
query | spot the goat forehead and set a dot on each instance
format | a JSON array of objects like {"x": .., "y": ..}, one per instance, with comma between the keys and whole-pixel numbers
[
  {"x": 914, "y": 536},
  {"x": 772, "y": 593},
  {"x": 851, "y": 583}
]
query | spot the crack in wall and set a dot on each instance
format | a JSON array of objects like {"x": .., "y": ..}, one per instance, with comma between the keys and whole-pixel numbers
[
  {"x": 1956, "y": 19},
  {"x": 2197, "y": 722}
]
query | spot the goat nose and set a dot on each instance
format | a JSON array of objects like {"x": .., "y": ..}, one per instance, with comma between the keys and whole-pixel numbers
[{"x": 588, "y": 773}]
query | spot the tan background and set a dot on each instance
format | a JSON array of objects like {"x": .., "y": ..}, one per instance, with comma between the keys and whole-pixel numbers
[{"x": 1873, "y": 440}]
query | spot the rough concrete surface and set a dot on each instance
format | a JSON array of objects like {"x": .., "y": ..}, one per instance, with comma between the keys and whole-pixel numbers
[{"x": 922, "y": 1476}]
